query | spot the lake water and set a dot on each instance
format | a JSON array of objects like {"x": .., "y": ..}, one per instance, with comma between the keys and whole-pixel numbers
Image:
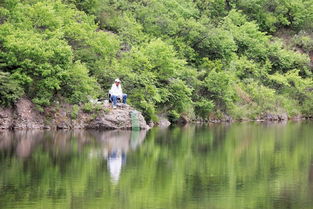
[{"x": 225, "y": 166}]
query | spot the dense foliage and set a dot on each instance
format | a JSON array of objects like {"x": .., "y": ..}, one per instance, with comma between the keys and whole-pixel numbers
[{"x": 205, "y": 58}]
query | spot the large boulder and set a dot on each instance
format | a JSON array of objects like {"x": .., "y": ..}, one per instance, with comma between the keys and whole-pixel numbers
[
  {"x": 163, "y": 121},
  {"x": 119, "y": 118}
]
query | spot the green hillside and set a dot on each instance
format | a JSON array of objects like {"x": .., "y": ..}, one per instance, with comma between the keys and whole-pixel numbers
[{"x": 199, "y": 58}]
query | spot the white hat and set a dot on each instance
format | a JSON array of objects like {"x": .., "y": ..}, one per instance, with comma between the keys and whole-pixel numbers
[{"x": 117, "y": 80}]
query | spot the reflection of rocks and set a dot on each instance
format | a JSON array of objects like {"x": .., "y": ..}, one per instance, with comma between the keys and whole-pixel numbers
[
  {"x": 57, "y": 143},
  {"x": 112, "y": 146},
  {"x": 62, "y": 147},
  {"x": 24, "y": 142},
  {"x": 115, "y": 145},
  {"x": 118, "y": 140},
  {"x": 27, "y": 140},
  {"x": 6, "y": 140},
  {"x": 21, "y": 142}
]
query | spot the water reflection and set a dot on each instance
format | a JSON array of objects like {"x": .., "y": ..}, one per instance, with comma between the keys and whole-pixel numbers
[
  {"x": 111, "y": 145},
  {"x": 115, "y": 145},
  {"x": 20, "y": 143},
  {"x": 229, "y": 166}
]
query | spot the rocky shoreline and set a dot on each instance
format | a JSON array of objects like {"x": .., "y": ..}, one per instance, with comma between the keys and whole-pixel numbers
[
  {"x": 24, "y": 115},
  {"x": 265, "y": 117}
]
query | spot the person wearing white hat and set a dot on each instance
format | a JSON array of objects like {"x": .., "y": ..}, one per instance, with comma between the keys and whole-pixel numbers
[{"x": 116, "y": 92}]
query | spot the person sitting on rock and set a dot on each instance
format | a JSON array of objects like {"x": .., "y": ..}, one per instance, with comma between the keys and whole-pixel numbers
[{"x": 117, "y": 93}]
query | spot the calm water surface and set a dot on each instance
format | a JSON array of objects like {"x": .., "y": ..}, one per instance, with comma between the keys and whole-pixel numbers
[{"x": 237, "y": 166}]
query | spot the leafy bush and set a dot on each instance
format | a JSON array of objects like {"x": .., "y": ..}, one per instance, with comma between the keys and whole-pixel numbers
[
  {"x": 92, "y": 108},
  {"x": 75, "y": 111},
  {"x": 307, "y": 106},
  {"x": 173, "y": 116},
  {"x": 304, "y": 41},
  {"x": 203, "y": 108},
  {"x": 263, "y": 96},
  {"x": 78, "y": 85},
  {"x": 10, "y": 90},
  {"x": 219, "y": 86}
]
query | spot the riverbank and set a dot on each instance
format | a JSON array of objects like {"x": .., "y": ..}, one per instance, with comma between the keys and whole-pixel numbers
[
  {"x": 266, "y": 117},
  {"x": 275, "y": 117},
  {"x": 24, "y": 115}
]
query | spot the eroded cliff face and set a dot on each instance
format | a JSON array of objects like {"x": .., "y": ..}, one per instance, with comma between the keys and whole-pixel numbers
[
  {"x": 6, "y": 118},
  {"x": 25, "y": 116}
]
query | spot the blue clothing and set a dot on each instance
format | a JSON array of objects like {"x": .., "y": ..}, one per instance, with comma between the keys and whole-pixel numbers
[{"x": 114, "y": 99}]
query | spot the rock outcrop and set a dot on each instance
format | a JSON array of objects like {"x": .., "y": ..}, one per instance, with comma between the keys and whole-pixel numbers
[
  {"x": 6, "y": 118},
  {"x": 163, "y": 121},
  {"x": 183, "y": 120},
  {"x": 274, "y": 117},
  {"x": 117, "y": 119},
  {"x": 25, "y": 116},
  {"x": 22, "y": 116}
]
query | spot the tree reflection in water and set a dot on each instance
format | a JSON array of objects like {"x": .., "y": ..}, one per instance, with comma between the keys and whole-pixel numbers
[
  {"x": 229, "y": 166},
  {"x": 112, "y": 145}
]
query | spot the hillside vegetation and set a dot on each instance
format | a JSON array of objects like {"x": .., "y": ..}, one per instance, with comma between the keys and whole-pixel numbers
[{"x": 199, "y": 58}]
